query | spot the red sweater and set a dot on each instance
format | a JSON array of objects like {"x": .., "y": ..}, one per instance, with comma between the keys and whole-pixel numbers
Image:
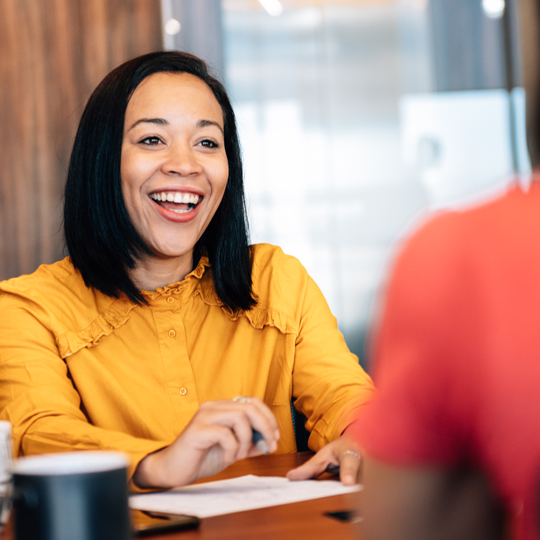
[{"x": 457, "y": 355}]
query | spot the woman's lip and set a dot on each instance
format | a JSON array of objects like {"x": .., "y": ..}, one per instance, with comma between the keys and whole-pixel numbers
[{"x": 173, "y": 216}]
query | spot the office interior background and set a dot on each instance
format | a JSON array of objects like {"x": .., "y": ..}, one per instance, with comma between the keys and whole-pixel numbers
[{"x": 357, "y": 118}]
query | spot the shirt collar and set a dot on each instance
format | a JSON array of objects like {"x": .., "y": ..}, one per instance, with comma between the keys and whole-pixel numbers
[{"x": 183, "y": 288}]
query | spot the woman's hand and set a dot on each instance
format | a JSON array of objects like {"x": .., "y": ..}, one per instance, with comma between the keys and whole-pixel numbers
[
  {"x": 342, "y": 452},
  {"x": 219, "y": 434}
]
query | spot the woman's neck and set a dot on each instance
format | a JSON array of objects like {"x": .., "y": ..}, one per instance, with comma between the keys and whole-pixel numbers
[{"x": 153, "y": 272}]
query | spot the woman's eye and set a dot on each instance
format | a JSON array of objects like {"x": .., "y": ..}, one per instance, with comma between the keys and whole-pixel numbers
[
  {"x": 208, "y": 143},
  {"x": 151, "y": 141}
]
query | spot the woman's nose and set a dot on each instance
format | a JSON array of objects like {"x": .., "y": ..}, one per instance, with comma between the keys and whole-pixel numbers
[{"x": 182, "y": 161}]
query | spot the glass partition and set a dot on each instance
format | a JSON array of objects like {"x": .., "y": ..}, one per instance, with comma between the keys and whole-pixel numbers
[{"x": 359, "y": 116}]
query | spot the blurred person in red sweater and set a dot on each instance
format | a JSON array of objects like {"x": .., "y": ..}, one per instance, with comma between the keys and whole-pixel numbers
[{"x": 452, "y": 442}]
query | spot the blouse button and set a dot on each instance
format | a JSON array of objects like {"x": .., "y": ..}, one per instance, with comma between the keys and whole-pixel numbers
[
  {"x": 183, "y": 391},
  {"x": 172, "y": 333},
  {"x": 170, "y": 299}
]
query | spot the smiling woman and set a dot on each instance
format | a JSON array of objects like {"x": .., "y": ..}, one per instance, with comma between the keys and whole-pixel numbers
[
  {"x": 163, "y": 313},
  {"x": 139, "y": 110}
]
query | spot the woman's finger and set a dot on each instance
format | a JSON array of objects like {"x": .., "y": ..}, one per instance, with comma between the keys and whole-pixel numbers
[
  {"x": 267, "y": 413},
  {"x": 270, "y": 429},
  {"x": 339, "y": 452},
  {"x": 241, "y": 427},
  {"x": 261, "y": 423},
  {"x": 349, "y": 467},
  {"x": 260, "y": 418},
  {"x": 313, "y": 467},
  {"x": 242, "y": 418},
  {"x": 213, "y": 436}
]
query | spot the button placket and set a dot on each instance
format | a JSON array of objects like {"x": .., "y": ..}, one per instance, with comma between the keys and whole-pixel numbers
[{"x": 178, "y": 372}]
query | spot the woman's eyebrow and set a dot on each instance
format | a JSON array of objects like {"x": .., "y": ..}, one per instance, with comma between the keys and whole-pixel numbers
[
  {"x": 163, "y": 122},
  {"x": 158, "y": 121},
  {"x": 206, "y": 123}
]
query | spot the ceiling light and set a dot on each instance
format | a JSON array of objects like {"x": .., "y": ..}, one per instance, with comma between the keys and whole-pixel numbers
[
  {"x": 273, "y": 7},
  {"x": 172, "y": 27},
  {"x": 494, "y": 9}
]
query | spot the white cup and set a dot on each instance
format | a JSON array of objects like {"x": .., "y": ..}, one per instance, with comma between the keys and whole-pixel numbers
[{"x": 5, "y": 471}]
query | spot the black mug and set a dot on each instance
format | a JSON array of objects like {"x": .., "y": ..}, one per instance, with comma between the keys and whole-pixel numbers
[{"x": 71, "y": 496}]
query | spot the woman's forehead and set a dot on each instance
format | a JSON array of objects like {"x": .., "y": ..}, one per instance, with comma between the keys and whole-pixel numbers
[{"x": 165, "y": 94}]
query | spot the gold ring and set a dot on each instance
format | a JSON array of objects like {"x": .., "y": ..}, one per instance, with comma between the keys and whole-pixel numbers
[
  {"x": 242, "y": 399},
  {"x": 352, "y": 453}
]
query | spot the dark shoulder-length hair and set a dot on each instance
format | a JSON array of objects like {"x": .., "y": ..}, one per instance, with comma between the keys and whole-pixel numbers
[{"x": 100, "y": 237}]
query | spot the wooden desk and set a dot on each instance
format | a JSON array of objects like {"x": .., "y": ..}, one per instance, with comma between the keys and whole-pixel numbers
[{"x": 298, "y": 521}]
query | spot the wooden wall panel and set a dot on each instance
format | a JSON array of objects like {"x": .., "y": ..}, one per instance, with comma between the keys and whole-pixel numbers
[{"x": 52, "y": 55}]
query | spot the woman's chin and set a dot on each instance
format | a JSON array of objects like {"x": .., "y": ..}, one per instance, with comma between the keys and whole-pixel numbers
[{"x": 169, "y": 254}]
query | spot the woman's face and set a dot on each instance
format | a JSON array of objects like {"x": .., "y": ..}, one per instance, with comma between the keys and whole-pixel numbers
[{"x": 173, "y": 164}]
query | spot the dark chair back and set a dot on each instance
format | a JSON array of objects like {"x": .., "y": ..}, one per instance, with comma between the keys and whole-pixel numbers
[{"x": 301, "y": 434}]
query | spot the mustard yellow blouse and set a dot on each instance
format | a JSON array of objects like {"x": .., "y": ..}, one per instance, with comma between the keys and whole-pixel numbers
[{"x": 81, "y": 370}]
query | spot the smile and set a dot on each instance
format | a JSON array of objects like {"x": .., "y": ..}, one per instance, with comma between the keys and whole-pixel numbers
[{"x": 174, "y": 201}]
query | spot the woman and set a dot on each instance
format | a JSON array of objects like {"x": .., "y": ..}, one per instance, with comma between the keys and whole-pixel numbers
[{"x": 163, "y": 313}]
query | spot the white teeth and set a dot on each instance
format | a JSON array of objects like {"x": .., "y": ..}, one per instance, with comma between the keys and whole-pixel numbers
[
  {"x": 180, "y": 211},
  {"x": 176, "y": 197}
]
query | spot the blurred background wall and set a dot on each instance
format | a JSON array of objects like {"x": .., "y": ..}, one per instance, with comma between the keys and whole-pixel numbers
[
  {"x": 357, "y": 118},
  {"x": 52, "y": 55}
]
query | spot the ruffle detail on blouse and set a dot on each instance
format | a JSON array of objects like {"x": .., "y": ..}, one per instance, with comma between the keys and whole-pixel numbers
[
  {"x": 188, "y": 284},
  {"x": 258, "y": 316},
  {"x": 104, "y": 324},
  {"x": 118, "y": 313}
]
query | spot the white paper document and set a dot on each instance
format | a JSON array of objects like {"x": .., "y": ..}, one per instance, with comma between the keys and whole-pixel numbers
[{"x": 236, "y": 495}]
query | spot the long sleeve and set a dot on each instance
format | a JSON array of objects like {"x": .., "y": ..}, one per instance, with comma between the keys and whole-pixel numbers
[
  {"x": 329, "y": 386},
  {"x": 325, "y": 381},
  {"x": 38, "y": 396}
]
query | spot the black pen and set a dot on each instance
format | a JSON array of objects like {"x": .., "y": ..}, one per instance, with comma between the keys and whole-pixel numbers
[{"x": 259, "y": 442}]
